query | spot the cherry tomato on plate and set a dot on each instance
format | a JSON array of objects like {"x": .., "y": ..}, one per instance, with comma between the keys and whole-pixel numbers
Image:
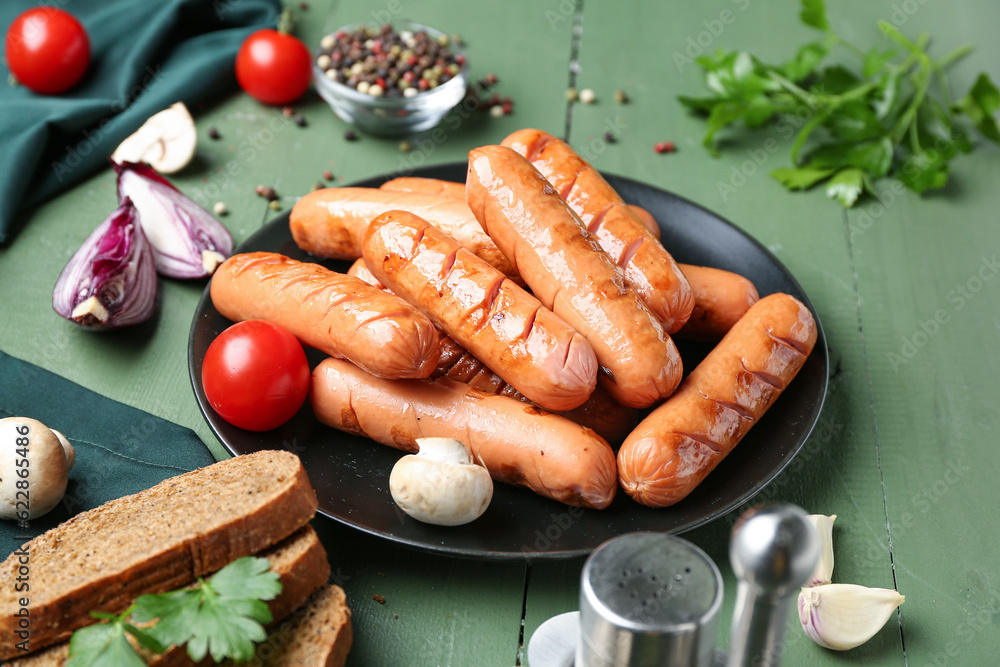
[
  {"x": 255, "y": 375},
  {"x": 273, "y": 66},
  {"x": 47, "y": 50}
]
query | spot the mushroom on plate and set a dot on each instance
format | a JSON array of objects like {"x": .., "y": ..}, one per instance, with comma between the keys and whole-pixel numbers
[{"x": 441, "y": 484}]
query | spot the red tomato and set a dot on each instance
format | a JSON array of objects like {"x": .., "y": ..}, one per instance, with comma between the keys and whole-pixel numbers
[
  {"x": 47, "y": 50},
  {"x": 273, "y": 67},
  {"x": 255, "y": 375}
]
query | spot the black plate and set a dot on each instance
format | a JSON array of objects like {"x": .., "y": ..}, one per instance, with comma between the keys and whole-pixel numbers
[{"x": 351, "y": 474}]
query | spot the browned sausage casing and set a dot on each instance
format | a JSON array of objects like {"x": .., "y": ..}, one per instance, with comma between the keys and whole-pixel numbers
[
  {"x": 331, "y": 222},
  {"x": 679, "y": 443},
  {"x": 721, "y": 298},
  {"x": 428, "y": 186},
  {"x": 332, "y": 312},
  {"x": 609, "y": 418},
  {"x": 649, "y": 268},
  {"x": 508, "y": 329},
  {"x": 569, "y": 272},
  {"x": 517, "y": 442}
]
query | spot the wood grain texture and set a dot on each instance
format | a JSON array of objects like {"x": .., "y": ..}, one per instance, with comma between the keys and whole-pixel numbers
[{"x": 904, "y": 449}]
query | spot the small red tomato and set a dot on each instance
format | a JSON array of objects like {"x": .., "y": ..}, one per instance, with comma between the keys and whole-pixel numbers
[
  {"x": 47, "y": 50},
  {"x": 273, "y": 67},
  {"x": 255, "y": 375}
]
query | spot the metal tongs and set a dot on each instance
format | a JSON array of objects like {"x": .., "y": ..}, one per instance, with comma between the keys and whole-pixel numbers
[{"x": 653, "y": 600}]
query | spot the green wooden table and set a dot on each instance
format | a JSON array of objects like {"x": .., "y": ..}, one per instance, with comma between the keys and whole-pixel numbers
[{"x": 904, "y": 452}]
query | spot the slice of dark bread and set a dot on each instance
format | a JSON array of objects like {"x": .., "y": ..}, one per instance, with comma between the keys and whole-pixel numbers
[
  {"x": 317, "y": 635},
  {"x": 301, "y": 564},
  {"x": 157, "y": 540}
]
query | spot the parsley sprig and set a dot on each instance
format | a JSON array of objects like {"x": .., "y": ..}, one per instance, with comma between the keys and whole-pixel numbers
[
  {"x": 894, "y": 117},
  {"x": 221, "y": 617}
]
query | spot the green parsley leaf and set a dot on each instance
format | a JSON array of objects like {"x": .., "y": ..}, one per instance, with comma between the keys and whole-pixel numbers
[
  {"x": 855, "y": 124},
  {"x": 814, "y": 14},
  {"x": 875, "y": 61},
  {"x": 222, "y": 616},
  {"x": 801, "y": 178},
  {"x": 106, "y": 644},
  {"x": 980, "y": 105},
  {"x": 846, "y": 186},
  {"x": 854, "y": 121}
]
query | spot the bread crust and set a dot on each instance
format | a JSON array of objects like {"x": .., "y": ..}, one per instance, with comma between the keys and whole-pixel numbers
[{"x": 157, "y": 540}]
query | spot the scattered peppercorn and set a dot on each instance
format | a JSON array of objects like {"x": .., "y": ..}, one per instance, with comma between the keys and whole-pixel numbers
[
  {"x": 304, "y": 6},
  {"x": 395, "y": 615},
  {"x": 456, "y": 39},
  {"x": 497, "y": 111},
  {"x": 379, "y": 598},
  {"x": 318, "y": 185},
  {"x": 275, "y": 205},
  {"x": 664, "y": 147},
  {"x": 621, "y": 97},
  {"x": 350, "y": 135},
  {"x": 220, "y": 208},
  {"x": 572, "y": 95},
  {"x": 213, "y": 133},
  {"x": 610, "y": 137},
  {"x": 327, "y": 175},
  {"x": 587, "y": 96},
  {"x": 405, "y": 146},
  {"x": 287, "y": 112},
  {"x": 300, "y": 120},
  {"x": 267, "y": 192}
]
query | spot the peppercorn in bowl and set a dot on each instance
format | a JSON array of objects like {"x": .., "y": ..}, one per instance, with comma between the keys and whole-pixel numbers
[{"x": 392, "y": 79}]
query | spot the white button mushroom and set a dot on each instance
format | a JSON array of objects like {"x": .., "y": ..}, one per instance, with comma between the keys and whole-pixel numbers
[
  {"x": 167, "y": 141},
  {"x": 440, "y": 484},
  {"x": 34, "y": 468}
]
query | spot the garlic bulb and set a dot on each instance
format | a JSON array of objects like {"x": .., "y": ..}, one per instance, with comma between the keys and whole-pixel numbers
[
  {"x": 842, "y": 616},
  {"x": 823, "y": 573}
]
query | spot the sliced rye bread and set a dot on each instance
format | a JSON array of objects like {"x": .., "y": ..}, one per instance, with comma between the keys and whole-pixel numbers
[
  {"x": 301, "y": 564},
  {"x": 318, "y": 634},
  {"x": 157, "y": 540}
]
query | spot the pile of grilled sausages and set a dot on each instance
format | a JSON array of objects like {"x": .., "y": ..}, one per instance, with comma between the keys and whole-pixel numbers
[{"x": 529, "y": 314}]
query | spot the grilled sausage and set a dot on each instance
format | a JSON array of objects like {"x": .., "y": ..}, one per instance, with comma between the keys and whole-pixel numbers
[
  {"x": 569, "y": 272},
  {"x": 517, "y": 442},
  {"x": 649, "y": 268},
  {"x": 680, "y": 443},
  {"x": 508, "y": 329},
  {"x": 334, "y": 313}
]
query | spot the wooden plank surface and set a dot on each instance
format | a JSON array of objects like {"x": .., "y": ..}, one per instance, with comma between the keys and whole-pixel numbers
[{"x": 904, "y": 452}]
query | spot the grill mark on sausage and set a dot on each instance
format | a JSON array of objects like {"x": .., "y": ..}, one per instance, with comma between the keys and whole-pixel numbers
[
  {"x": 630, "y": 250},
  {"x": 538, "y": 145},
  {"x": 711, "y": 444},
  {"x": 738, "y": 409},
  {"x": 449, "y": 264},
  {"x": 595, "y": 224},
  {"x": 788, "y": 342},
  {"x": 766, "y": 378},
  {"x": 529, "y": 325},
  {"x": 564, "y": 193}
]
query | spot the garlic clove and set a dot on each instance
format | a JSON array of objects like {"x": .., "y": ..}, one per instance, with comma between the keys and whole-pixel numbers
[
  {"x": 823, "y": 573},
  {"x": 843, "y": 616},
  {"x": 166, "y": 141}
]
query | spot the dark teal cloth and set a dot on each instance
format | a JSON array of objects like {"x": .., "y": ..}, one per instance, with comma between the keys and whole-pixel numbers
[
  {"x": 119, "y": 450},
  {"x": 145, "y": 55}
]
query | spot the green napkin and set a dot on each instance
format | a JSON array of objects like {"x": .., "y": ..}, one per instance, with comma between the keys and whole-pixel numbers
[
  {"x": 119, "y": 450},
  {"x": 145, "y": 55}
]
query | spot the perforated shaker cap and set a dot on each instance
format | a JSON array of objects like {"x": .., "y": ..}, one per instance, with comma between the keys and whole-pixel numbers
[{"x": 648, "y": 599}]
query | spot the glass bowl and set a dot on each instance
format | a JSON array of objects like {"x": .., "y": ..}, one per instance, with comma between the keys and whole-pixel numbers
[{"x": 393, "y": 116}]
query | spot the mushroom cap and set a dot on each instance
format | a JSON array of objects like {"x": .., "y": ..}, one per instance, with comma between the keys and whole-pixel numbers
[
  {"x": 440, "y": 484},
  {"x": 47, "y": 468}
]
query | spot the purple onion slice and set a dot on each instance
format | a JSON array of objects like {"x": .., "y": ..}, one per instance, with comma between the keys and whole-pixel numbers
[
  {"x": 187, "y": 240},
  {"x": 110, "y": 281}
]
